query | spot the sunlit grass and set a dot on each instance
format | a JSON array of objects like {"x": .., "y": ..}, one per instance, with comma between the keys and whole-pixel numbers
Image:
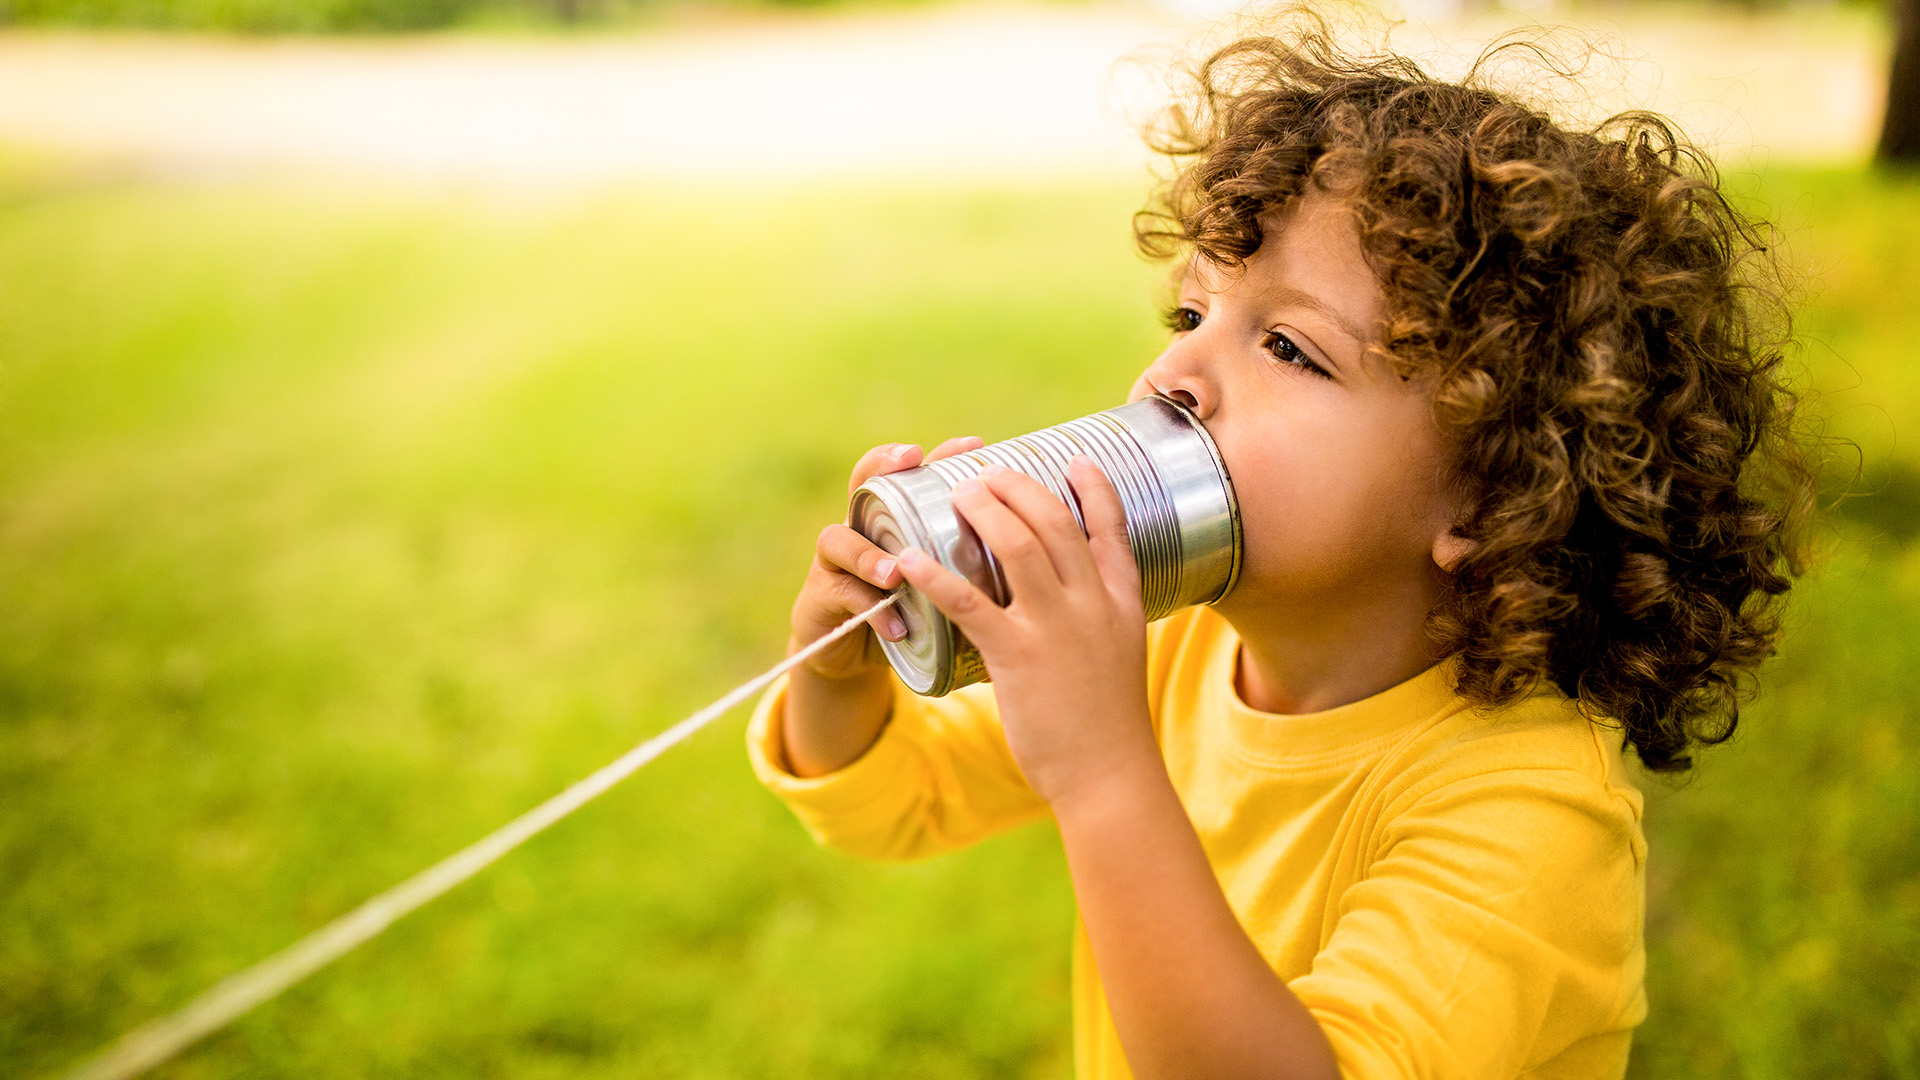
[{"x": 336, "y": 527}]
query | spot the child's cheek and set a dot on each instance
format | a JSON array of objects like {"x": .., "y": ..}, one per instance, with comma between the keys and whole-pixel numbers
[
  {"x": 1295, "y": 512},
  {"x": 1323, "y": 506}
]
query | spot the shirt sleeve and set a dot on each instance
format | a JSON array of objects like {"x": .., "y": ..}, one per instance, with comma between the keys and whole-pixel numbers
[
  {"x": 940, "y": 776},
  {"x": 1499, "y": 926}
]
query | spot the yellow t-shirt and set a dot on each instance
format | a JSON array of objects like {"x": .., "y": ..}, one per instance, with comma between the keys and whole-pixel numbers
[{"x": 1453, "y": 892}]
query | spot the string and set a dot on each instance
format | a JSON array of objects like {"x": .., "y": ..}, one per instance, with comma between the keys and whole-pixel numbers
[{"x": 231, "y": 997}]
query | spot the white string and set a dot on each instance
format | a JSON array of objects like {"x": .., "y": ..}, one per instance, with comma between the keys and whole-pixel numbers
[{"x": 144, "y": 1047}]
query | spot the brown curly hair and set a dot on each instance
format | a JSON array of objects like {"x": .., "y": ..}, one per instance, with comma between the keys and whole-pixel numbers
[{"x": 1604, "y": 332}]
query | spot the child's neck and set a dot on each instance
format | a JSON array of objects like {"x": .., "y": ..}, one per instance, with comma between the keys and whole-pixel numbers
[{"x": 1298, "y": 665}]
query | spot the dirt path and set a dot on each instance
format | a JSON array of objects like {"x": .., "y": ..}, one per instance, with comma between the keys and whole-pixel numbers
[{"x": 939, "y": 92}]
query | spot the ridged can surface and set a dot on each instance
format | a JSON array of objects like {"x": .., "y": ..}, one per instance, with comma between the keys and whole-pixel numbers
[{"x": 1182, "y": 522}]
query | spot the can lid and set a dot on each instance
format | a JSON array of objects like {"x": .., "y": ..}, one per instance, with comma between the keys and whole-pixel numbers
[{"x": 924, "y": 658}]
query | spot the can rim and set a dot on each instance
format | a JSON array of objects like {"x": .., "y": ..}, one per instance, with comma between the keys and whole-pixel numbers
[
  {"x": 868, "y": 501},
  {"x": 1233, "y": 500}
]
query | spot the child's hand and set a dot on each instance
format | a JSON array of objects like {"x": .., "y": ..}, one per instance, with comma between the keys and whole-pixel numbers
[
  {"x": 838, "y": 701},
  {"x": 1068, "y": 656},
  {"x": 850, "y": 574}
]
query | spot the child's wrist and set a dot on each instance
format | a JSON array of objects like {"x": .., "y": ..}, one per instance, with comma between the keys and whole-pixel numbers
[{"x": 1121, "y": 788}]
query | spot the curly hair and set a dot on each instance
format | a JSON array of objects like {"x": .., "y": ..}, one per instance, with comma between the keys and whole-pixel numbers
[{"x": 1604, "y": 334}]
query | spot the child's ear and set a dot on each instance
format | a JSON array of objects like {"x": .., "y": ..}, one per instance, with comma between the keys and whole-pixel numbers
[{"x": 1449, "y": 548}]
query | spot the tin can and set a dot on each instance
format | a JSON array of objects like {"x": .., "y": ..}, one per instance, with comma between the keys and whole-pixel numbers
[{"x": 1182, "y": 523}]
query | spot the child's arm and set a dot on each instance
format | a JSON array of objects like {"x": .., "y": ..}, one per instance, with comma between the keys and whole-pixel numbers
[{"x": 1189, "y": 993}]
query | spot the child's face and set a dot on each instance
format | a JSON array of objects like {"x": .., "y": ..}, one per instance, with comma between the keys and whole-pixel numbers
[{"x": 1337, "y": 462}]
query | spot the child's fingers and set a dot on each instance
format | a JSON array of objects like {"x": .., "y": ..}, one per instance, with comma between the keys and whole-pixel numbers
[
  {"x": 1106, "y": 522},
  {"x": 1050, "y": 520},
  {"x": 958, "y": 445},
  {"x": 886, "y": 458},
  {"x": 1029, "y": 569},
  {"x": 857, "y": 575},
  {"x": 832, "y": 595},
  {"x": 843, "y": 548},
  {"x": 973, "y": 611}
]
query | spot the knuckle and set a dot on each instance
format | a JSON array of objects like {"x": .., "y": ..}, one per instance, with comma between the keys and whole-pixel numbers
[
  {"x": 1019, "y": 483},
  {"x": 821, "y": 572},
  {"x": 823, "y": 585},
  {"x": 1021, "y": 547},
  {"x": 1059, "y": 517},
  {"x": 855, "y": 594},
  {"x": 835, "y": 547}
]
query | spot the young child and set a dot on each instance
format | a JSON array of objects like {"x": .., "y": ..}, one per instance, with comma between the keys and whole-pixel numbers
[{"x": 1509, "y": 443}]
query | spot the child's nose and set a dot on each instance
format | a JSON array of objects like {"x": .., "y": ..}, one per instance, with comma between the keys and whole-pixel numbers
[
  {"x": 1184, "y": 397},
  {"x": 1172, "y": 376}
]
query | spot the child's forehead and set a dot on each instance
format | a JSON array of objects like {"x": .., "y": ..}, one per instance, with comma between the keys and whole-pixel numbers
[
  {"x": 1313, "y": 236},
  {"x": 1201, "y": 272},
  {"x": 1308, "y": 257}
]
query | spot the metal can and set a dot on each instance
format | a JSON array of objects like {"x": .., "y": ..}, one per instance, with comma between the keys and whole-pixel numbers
[{"x": 1182, "y": 522}]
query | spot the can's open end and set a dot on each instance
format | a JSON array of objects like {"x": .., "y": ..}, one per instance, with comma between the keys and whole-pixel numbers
[{"x": 919, "y": 658}]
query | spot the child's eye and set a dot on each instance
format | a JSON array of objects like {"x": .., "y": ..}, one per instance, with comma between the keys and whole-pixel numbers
[
  {"x": 1181, "y": 319},
  {"x": 1285, "y": 351}
]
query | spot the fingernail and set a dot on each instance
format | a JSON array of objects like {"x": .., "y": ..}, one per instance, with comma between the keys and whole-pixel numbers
[
  {"x": 883, "y": 568},
  {"x": 994, "y": 470},
  {"x": 905, "y": 448},
  {"x": 966, "y": 487},
  {"x": 896, "y": 627},
  {"x": 912, "y": 557}
]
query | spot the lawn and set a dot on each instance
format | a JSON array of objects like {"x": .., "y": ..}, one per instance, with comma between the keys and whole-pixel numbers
[{"x": 338, "y": 525}]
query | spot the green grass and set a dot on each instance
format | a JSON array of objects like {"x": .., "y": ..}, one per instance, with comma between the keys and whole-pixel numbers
[
  {"x": 338, "y": 526},
  {"x": 1784, "y": 880}
]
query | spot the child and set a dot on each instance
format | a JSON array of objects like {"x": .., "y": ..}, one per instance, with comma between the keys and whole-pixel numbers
[{"x": 1509, "y": 446}]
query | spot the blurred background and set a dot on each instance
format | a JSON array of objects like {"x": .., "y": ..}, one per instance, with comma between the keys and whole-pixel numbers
[{"x": 407, "y": 405}]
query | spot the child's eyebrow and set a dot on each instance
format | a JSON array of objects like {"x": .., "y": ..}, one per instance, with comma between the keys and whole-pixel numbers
[{"x": 1288, "y": 295}]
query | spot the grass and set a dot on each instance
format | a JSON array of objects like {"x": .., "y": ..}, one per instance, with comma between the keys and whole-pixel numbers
[{"x": 338, "y": 526}]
